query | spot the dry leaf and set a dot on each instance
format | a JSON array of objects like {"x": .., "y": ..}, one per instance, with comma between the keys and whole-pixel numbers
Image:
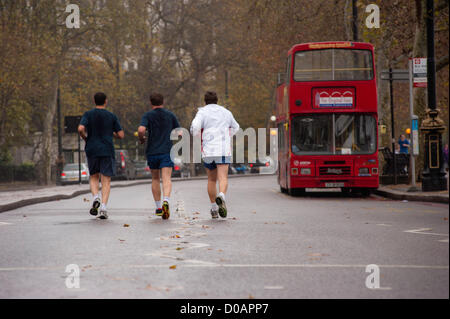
[
  {"x": 179, "y": 248},
  {"x": 173, "y": 267},
  {"x": 126, "y": 225}
]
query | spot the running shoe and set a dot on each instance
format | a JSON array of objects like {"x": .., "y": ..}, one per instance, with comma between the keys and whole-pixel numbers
[
  {"x": 214, "y": 213},
  {"x": 102, "y": 214},
  {"x": 159, "y": 212},
  {"x": 95, "y": 206},
  {"x": 165, "y": 210},
  {"x": 222, "y": 207}
]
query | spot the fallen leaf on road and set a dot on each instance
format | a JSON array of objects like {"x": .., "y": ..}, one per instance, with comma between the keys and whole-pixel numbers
[
  {"x": 253, "y": 212},
  {"x": 205, "y": 226},
  {"x": 173, "y": 267},
  {"x": 126, "y": 225},
  {"x": 122, "y": 240},
  {"x": 233, "y": 218},
  {"x": 251, "y": 297},
  {"x": 85, "y": 199},
  {"x": 179, "y": 248},
  {"x": 196, "y": 213}
]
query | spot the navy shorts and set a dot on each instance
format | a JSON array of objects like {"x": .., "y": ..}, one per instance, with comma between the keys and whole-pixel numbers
[
  {"x": 159, "y": 161},
  {"x": 104, "y": 165},
  {"x": 212, "y": 162}
]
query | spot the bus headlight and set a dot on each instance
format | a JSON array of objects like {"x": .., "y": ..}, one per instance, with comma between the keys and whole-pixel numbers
[
  {"x": 305, "y": 171},
  {"x": 364, "y": 171}
]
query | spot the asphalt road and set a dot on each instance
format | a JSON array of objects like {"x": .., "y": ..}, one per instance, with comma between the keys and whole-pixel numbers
[{"x": 270, "y": 246}]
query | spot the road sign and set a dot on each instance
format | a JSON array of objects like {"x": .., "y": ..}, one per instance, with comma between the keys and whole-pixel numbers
[
  {"x": 420, "y": 72},
  {"x": 71, "y": 124},
  {"x": 397, "y": 75}
]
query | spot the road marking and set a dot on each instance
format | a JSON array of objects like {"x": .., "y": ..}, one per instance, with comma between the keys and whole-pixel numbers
[
  {"x": 210, "y": 265},
  {"x": 381, "y": 288},
  {"x": 4, "y": 223},
  {"x": 273, "y": 287},
  {"x": 443, "y": 241},
  {"x": 422, "y": 231}
]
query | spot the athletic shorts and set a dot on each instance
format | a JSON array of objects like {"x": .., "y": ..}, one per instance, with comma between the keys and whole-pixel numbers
[
  {"x": 105, "y": 165},
  {"x": 159, "y": 161},
  {"x": 212, "y": 162}
]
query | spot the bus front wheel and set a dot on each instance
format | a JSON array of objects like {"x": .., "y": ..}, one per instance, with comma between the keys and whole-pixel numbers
[{"x": 296, "y": 191}]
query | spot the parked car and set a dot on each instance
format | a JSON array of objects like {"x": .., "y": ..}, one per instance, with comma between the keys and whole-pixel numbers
[
  {"x": 70, "y": 174},
  {"x": 180, "y": 169},
  {"x": 125, "y": 168},
  {"x": 255, "y": 168},
  {"x": 142, "y": 170},
  {"x": 241, "y": 168}
]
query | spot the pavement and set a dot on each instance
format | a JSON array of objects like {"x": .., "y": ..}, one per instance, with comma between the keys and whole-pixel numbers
[
  {"x": 402, "y": 192},
  {"x": 321, "y": 245}
]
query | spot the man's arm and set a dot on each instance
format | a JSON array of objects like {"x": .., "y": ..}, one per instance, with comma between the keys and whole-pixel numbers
[
  {"x": 196, "y": 126},
  {"x": 141, "y": 134},
  {"x": 234, "y": 125},
  {"x": 82, "y": 131},
  {"x": 120, "y": 135}
]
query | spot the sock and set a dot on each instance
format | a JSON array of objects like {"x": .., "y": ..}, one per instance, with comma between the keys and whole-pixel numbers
[
  {"x": 158, "y": 204},
  {"x": 214, "y": 206},
  {"x": 103, "y": 206},
  {"x": 95, "y": 197},
  {"x": 166, "y": 199},
  {"x": 221, "y": 195}
]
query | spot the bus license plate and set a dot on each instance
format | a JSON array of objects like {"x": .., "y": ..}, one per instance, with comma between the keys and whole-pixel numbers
[{"x": 334, "y": 184}]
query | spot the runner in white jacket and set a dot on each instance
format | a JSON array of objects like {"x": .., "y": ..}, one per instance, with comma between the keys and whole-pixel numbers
[{"x": 219, "y": 126}]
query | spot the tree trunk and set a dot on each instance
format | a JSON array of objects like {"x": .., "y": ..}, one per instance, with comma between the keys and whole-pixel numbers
[{"x": 44, "y": 167}]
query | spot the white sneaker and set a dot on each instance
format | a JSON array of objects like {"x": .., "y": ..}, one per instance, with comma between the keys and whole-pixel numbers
[
  {"x": 214, "y": 213},
  {"x": 102, "y": 214}
]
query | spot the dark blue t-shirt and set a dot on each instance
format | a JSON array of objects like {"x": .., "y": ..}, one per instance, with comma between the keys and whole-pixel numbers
[
  {"x": 100, "y": 125},
  {"x": 159, "y": 123}
]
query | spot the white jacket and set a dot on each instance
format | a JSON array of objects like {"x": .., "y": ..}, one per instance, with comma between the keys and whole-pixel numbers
[{"x": 218, "y": 126}]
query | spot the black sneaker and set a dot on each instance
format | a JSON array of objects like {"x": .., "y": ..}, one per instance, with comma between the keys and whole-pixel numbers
[
  {"x": 95, "y": 206},
  {"x": 158, "y": 212},
  {"x": 222, "y": 207},
  {"x": 165, "y": 210}
]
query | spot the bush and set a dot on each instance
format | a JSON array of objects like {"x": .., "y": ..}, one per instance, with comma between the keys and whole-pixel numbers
[{"x": 11, "y": 173}]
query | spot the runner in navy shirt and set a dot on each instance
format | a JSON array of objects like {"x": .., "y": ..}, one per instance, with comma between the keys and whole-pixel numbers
[
  {"x": 97, "y": 127},
  {"x": 159, "y": 123}
]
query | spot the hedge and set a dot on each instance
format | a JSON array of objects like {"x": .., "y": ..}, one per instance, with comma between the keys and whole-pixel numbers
[{"x": 12, "y": 173}]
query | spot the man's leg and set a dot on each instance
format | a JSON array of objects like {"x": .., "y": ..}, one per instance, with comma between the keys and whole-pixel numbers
[
  {"x": 212, "y": 191},
  {"x": 156, "y": 188},
  {"x": 222, "y": 176},
  {"x": 106, "y": 188},
  {"x": 212, "y": 184},
  {"x": 166, "y": 173},
  {"x": 93, "y": 182},
  {"x": 94, "y": 185}
]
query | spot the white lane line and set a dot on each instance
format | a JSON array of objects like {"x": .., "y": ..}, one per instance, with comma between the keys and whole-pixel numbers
[
  {"x": 381, "y": 288},
  {"x": 273, "y": 287},
  {"x": 443, "y": 241},
  {"x": 422, "y": 231},
  {"x": 210, "y": 265},
  {"x": 4, "y": 223}
]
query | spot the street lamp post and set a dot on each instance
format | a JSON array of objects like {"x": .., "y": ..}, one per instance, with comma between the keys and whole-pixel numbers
[{"x": 433, "y": 175}]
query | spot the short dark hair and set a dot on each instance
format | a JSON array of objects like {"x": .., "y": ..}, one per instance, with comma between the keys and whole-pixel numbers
[
  {"x": 156, "y": 99},
  {"x": 211, "y": 97},
  {"x": 100, "y": 98}
]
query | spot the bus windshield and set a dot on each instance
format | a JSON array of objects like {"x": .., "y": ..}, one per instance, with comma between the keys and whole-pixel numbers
[
  {"x": 333, "y": 65},
  {"x": 333, "y": 134}
]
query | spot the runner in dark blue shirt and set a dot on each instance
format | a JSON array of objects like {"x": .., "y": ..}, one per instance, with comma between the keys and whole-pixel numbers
[
  {"x": 97, "y": 127},
  {"x": 159, "y": 123}
]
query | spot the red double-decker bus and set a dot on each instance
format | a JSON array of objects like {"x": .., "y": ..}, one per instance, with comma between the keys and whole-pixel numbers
[{"x": 326, "y": 114}]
